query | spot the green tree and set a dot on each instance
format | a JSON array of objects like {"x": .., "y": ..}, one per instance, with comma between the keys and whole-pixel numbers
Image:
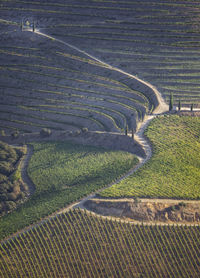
[
  {"x": 33, "y": 26},
  {"x": 179, "y": 105},
  {"x": 171, "y": 102},
  {"x": 2, "y": 133},
  {"x": 126, "y": 130},
  {"x": 132, "y": 134}
]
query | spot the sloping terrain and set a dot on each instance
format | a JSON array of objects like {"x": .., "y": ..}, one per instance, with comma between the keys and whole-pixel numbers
[
  {"x": 76, "y": 244},
  {"x": 44, "y": 83},
  {"x": 173, "y": 170},
  {"x": 158, "y": 40}
]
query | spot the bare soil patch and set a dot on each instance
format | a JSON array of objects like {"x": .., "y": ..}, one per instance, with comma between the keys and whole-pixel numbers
[{"x": 148, "y": 210}]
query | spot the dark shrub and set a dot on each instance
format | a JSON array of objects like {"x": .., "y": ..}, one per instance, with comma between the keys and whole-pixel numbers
[
  {"x": 12, "y": 196},
  {"x": 4, "y": 187},
  {"x": 5, "y": 168},
  {"x": 3, "y": 197},
  {"x": 77, "y": 132},
  {"x": 3, "y": 155},
  {"x": 20, "y": 152},
  {"x": 12, "y": 156},
  {"x": 10, "y": 205},
  {"x": 3, "y": 178},
  {"x": 2, "y": 133},
  {"x": 45, "y": 132},
  {"x": 15, "y": 134},
  {"x": 84, "y": 129}
]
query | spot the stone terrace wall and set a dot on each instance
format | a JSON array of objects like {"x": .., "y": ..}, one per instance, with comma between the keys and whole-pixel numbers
[{"x": 100, "y": 139}]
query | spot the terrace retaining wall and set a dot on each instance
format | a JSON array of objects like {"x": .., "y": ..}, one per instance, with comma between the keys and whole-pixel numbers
[{"x": 112, "y": 141}]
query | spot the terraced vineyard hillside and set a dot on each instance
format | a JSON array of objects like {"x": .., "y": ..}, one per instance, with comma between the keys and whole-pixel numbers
[
  {"x": 75, "y": 65},
  {"x": 44, "y": 83},
  {"x": 157, "y": 40},
  {"x": 78, "y": 245}
]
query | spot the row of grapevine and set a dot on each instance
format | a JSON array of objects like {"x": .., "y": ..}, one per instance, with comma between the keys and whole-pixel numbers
[
  {"x": 173, "y": 170},
  {"x": 136, "y": 36},
  {"x": 64, "y": 173},
  {"x": 77, "y": 244},
  {"x": 46, "y": 84}
]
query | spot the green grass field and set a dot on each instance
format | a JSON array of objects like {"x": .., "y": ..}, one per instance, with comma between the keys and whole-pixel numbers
[
  {"x": 173, "y": 170},
  {"x": 63, "y": 173}
]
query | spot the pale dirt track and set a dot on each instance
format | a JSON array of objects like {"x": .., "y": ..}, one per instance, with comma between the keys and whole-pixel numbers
[{"x": 24, "y": 166}]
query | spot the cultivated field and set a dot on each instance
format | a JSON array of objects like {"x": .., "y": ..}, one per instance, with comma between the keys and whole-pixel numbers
[
  {"x": 173, "y": 170},
  {"x": 137, "y": 36},
  {"x": 63, "y": 173},
  {"x": 76, "y": 244},
  {"x": 44, "y": 83},
  {"x": 96, "y": 65},
  {"x": 47, "y": 84}
]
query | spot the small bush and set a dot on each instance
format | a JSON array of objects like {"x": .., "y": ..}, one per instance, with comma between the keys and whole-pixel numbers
[
  {"x": 3, "y": 197},
  {"x": 182, "y": 204},
  {"x": 45, "y": 132},
  {"x": 20, "y": 152},
  {"x": 136, "y": 201},
  {"x": 77, "y": 132},
  {"x": 3, "y": 155},
  {"x": 12, "y": 196},
  {"x": 4, "y": 187},
  {"x": 3, "y": 178},
  {"x": 10, "y": 205},
  {"x": 84, "y": 129},
  {"x": 16, "y": 176},
  {"x": 5, "y": 168},
  {"x": 15, "y": 134},
  {"x": 2, "y": 133},
  {"x": 16, "y": 188},
  {"x": 12, "y": 155}
]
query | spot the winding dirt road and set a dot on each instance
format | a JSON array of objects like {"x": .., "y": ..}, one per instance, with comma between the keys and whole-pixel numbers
[
  {"x": 24, "y": 166},
  {"x": 139, "y": 137},
  {"x": 162, "y": 107}
]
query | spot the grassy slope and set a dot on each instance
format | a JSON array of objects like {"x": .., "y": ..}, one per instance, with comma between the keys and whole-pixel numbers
[
  {"x": 174, "y": 169},
  {"x": 63, "y": 173}
]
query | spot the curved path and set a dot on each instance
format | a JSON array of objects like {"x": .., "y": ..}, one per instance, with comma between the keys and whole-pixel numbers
[
  {"x": 24, "y": 166},
  {"x": 161, "y": 108}
]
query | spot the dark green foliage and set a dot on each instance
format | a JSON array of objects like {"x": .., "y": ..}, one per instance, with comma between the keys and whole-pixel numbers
[
  {"x": 77, "y": 132},
  {"x": 15, "y": 134},
  {"x": 6, "y": 168},
  {"x": 84, "y": 129},
  {"x": 10, "y": 205},
  {"x": 126, "y": 130},
  {"x": 7, "y": 153},
  {"x": 182, "y": 204},
  {"x": 2, "y": 133},
  {"x": 9, "y": 177},
  {"x": 171, "y": 102},
  {"x": 3, "y": 178},
  {"x": 45, "y": 132},
  {"x": 132, "y": 133},
  {"x": 179, "y": 105}
]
